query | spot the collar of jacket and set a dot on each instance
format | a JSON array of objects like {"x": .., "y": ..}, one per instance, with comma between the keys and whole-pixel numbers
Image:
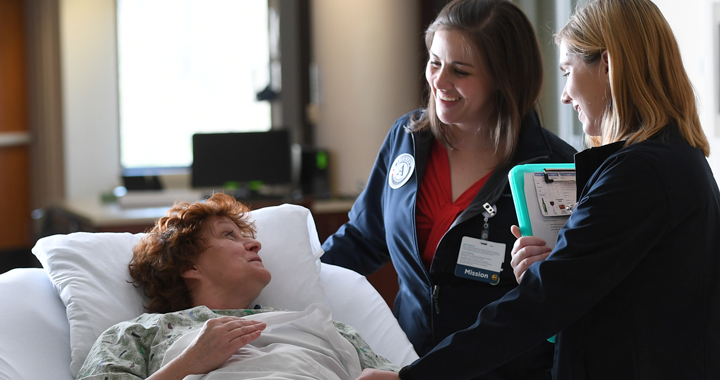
[
  {"x": 532, "y": 146},
  {"x": 589, "y": 160}
]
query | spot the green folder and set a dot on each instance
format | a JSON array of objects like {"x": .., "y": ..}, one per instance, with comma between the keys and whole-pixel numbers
[{"x": 517, "y": 186}]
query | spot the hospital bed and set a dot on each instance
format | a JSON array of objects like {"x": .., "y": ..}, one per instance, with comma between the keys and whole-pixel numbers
[{"x": 52, "y": 315}]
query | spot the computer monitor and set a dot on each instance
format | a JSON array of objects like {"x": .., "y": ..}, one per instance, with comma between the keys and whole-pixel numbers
[{"x": 222, "y": 159}]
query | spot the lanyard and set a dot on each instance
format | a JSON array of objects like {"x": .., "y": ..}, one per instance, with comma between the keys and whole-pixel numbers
[{"x": 489, "y": 212}]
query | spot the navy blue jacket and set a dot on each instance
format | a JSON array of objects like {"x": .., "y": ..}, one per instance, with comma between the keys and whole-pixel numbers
[
  {"x": 632, "y": 286},
  {"x": 432, "y": 305}
]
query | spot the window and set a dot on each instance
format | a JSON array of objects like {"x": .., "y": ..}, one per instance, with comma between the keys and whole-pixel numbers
[{"x": 185, "y": 67}]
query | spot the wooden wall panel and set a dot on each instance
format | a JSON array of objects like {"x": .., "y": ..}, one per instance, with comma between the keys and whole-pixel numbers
[
  {"x": 13, "y": 99},
  {"x": 15, "y": 218},
  {"x": 15, "y": 221}
]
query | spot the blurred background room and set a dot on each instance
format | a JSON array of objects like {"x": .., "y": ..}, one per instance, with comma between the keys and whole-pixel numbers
[{"x": 100, "y": 100}]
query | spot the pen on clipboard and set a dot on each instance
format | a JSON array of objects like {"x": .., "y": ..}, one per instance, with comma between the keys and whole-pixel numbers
[{"x": 559, "y": 171}]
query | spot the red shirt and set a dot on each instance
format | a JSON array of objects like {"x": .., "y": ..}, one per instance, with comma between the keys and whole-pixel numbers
[{"x": 435, "y": 209}]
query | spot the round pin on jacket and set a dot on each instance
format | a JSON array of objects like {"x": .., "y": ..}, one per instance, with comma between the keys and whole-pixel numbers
[{"x": 401, "y": 170}]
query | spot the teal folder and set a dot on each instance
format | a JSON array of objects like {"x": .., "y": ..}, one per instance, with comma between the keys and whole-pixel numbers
[{"x": 517, "y": 187}]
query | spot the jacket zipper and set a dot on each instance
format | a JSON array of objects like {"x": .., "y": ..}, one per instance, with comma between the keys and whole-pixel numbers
[
  {"x": 418, "y": 256},
  {"x": 489, "y": 212}
]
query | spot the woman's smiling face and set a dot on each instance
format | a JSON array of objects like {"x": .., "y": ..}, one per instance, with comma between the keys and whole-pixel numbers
[
  {"x": 460, "y": 87},
  {"x": 587, "y": 88}
]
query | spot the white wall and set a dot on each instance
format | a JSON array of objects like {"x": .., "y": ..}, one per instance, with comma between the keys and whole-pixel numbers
[
  {"x": 89, "y": 90},
  {"x": 367, "y": 53},
  {"x": 696, "y": 29}
]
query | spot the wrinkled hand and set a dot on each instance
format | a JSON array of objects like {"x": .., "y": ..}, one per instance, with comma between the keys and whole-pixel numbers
[
  {"x": 217, "y": 341},
  {"x": 375, "y": 374},
  {"x": 526, "y": 251}
]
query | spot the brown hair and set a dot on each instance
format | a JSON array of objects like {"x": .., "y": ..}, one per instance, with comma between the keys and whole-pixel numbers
[
  {"x": 648, "y": 82},
  {"x": 172, "y": 246},
  {"x": 504, "y": 42}
]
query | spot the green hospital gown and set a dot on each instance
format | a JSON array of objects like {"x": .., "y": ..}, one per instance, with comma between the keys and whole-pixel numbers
[{"x": 135, "y": 349}]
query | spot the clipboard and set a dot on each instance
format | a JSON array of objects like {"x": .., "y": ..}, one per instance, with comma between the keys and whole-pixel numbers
[{"x": 536, "y": 215}]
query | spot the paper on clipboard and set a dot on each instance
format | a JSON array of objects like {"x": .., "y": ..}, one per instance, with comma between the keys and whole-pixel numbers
[{"x": 543, "y": 195}]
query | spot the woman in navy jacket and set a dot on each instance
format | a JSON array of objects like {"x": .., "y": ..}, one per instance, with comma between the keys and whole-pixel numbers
[
  {"x": 632, "y": 287},
  {"x": 447, "y": 166}
]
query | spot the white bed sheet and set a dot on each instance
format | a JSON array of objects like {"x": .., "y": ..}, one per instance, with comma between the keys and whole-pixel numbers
[{"x": 306, "y": 342}]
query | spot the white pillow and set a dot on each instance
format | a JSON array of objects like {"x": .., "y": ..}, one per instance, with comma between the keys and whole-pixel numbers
[
  {"x": 89, "y": 271},
  {"x": 290, "y": 251},
  {"x": 354, "y": 301}
]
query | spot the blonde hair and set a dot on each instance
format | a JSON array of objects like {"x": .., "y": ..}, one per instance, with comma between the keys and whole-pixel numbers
[
  {"x": 502, "y": 38},
  {"x": 648, "y": 82}
]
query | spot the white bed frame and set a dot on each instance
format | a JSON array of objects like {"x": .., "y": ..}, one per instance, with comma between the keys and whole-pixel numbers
[{"x": 35, "y": 334}]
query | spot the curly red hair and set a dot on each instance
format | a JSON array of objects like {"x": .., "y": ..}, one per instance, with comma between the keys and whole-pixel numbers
[{"x": 172, "y": 246}]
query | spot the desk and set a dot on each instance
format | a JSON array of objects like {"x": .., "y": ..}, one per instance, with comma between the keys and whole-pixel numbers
[{"x": 91, "y": 215}]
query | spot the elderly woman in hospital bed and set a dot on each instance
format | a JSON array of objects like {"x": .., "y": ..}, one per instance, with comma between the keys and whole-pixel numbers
[{"x": 200, "y": 269}]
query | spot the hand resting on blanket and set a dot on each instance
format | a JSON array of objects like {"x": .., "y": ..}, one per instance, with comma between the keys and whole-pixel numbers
[{"x": 218, "y": 339}]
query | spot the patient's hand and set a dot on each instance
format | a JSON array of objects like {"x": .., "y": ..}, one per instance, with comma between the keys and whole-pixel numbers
[
  {"x": 375, "y": 374},
  {"x": 526, "y": 251},
  {"x": 216, "y": 342}
]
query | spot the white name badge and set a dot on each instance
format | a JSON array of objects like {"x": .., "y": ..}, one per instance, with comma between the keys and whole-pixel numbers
[{"x": 480, "y": 260}]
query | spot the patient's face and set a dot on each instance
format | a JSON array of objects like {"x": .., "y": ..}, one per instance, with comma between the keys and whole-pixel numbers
[{"x": 230, "y": 261}]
